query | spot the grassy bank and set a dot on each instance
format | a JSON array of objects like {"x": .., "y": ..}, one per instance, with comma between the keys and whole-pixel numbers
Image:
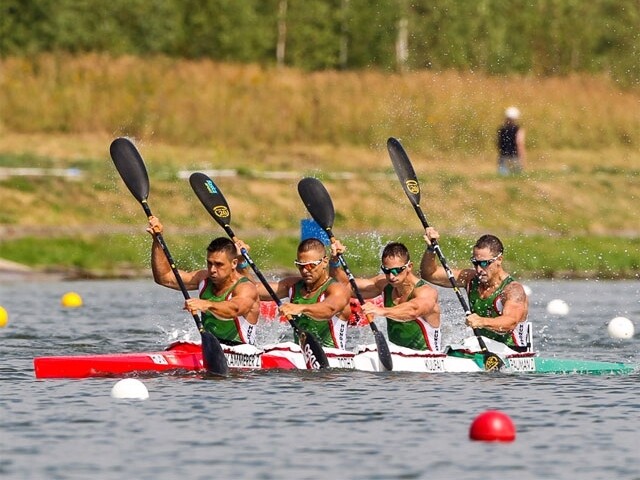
[
  {"x": 227, "y": 107},
  {"x": 528, "y": 257},
  {"x": 572, "y": 213}
]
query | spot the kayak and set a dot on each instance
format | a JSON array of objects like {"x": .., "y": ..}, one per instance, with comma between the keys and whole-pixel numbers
[{"x": 186, "y": 356}]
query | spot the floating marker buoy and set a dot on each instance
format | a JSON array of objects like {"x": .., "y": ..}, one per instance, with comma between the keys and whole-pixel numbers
[
  {"x": 71, "y": 300},
  {"x": 620, "y": 327},
  {"x": 492, "y": 426},
  {"x": 557, "y": 307},
  {"x": 4, "y": 317},
  {"x": 130, "y": 388}
]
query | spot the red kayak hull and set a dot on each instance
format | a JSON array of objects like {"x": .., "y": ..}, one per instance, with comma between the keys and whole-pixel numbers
[{"x": 180, "y": 356}]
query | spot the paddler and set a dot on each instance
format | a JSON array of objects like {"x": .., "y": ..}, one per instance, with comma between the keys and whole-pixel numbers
[
  {"x": 499, "y": 305},
  {"x": 409, "y": 303},
  {"x": 317, "y": 303},
  {"x": 227, "y": 300}
]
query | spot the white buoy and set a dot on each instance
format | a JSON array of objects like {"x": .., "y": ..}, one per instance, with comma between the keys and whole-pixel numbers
[
  {"x": 527, "y": 290},
  {"x": 130, "y": 388},
  {"x": 620, "y": 327},
  {"x": 557, "y": 307}
]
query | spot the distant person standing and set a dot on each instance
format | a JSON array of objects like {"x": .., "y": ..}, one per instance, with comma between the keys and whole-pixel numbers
[{"x": 511, "y": 150}]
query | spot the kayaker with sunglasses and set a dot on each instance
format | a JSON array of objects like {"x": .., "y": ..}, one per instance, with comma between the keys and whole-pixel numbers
[
  {"x": 318, "y": 303},
  {"x": 499, "y": 305},
  {"x": 409, "y": 303}
]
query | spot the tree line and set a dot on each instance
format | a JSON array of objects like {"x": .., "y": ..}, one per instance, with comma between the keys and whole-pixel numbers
[{"x": 540, "y": 37}]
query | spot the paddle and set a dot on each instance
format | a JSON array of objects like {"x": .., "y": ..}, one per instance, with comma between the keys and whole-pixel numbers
[
  {"x": 409, "y": 180},
  {"x": 318, "y": 202},
  {"x": 217, "y": 206},
  {"x": 131, "y": 168}
]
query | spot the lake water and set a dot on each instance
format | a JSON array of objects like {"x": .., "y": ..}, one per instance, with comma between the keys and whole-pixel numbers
[{"x": 308, "y": 425}]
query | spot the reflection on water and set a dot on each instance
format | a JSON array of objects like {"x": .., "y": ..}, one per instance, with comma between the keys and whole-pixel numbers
[{"x": 331, "y": 424}]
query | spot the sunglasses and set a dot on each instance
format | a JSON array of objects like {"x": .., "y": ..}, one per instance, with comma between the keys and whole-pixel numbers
[
  {"x": 394, "y": 270},
  {"x": 484, "y": 263},
  {"x": 309, "y": 265}
]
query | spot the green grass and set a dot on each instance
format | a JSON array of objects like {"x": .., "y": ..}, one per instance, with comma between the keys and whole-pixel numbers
[{"x": 525, "y": 256}]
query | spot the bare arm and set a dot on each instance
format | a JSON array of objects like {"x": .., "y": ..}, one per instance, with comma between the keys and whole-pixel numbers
[
  {"x": 368, "y": 287},
  {"x": 520, "y": 144},
  {"x": 336, "y": 299},
  {"x": 423, "y": 304},
  {"x": 244, "y": 302},
  {"x": 162, "y": 272},
  {"x": 515, "y": 310}
]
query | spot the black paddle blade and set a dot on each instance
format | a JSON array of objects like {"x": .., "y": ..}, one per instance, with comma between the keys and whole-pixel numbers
[
  {"x": 212, "y": 355},
  {"x": 404, "y": 169},
  {"x": 318, "y": 202},
  {"x": 384, "y": 355},
  {"x": 130, "y": 166},
  {"x": 314, "y": 356},
  {"x": 492, "y": 362},
  {"x": 211, "y": 197}
]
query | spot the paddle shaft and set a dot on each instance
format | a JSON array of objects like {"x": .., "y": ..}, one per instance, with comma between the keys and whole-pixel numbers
[
  {"x": 172, "y": 264},
  {"x": 131, "y": 168},
  {"x": 411, "y": 186}
]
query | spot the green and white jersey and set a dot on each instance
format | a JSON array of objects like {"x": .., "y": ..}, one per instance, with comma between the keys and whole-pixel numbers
[
  {"x": 492, "y": 307},
  {"x": 332, "y": 332},
  {"x": 415, "y": 334},
  {"x": 230, "y": 331}
]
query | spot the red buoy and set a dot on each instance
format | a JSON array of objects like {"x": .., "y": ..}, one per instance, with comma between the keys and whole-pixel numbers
[{"x": 492, "y": 426}]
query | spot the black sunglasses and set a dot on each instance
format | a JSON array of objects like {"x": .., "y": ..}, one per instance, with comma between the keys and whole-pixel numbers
[
  {"x": 395, "y": 270},
  {"x": 484, "y": 263}
]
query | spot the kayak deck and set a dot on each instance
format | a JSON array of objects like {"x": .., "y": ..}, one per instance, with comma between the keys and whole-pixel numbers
[{"x": 188, "y": 357}]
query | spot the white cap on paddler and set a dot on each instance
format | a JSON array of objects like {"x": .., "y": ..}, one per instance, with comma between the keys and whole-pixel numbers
[{"x": 512, "y": 113}]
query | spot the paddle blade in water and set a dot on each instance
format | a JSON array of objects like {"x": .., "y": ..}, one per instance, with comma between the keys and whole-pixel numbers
[
  {"x": 383, "y": 350},
  {"x": 212, "y": 355},
  {"x": 211, "y": 197},
  {"x": 130, "y": 166},
  {"x": 317, "y": 201},
  {"x": 404, "y": 170},
  {"x": 314, "y": 355}
]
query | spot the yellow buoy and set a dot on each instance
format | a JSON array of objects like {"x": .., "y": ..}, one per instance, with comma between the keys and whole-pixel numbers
[
  {"x": 71, "y": 300},
  {"x": 4, "y": 317}
]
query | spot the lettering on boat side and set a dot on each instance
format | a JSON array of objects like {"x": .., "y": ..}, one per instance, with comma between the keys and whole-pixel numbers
[
  {"x": 526, "y": 364},
  {"x": 158, "y": 359},
  {"x": 241, "y": 360},
  {"x": 342, "y": 362},
  {"x": 434, "y": 365}
]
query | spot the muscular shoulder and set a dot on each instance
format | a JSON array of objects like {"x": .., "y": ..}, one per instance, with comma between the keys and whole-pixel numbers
[
  {"x": 337, "y": 288},
  {"x": 425, "y": 290},
  {"x": 515, "y": 292}
]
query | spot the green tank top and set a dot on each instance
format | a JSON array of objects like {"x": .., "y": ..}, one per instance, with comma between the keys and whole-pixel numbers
[
  {"x": 322, "y": 330},
  {"x": 225, "y": 330},
  {"x": 413, "y": 334},
  {"x": 490, "y": 307}
]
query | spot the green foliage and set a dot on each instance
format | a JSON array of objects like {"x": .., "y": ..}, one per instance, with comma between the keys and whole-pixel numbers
[
  {"x": 548, "y": 37},
  {"x": 525, "y": 256}
]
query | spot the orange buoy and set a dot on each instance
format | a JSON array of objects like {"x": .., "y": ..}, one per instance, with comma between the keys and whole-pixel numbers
[{"x": 492, "y": 426}]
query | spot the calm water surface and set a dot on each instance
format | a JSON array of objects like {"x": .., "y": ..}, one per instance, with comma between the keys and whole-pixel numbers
[{"x": 324, "y": 425}]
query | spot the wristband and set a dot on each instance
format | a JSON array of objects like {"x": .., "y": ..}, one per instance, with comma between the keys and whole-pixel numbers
[
  {"x": 335, "y": 264},
  {"x": 430, "y": 249},
  {"x": 243, "y": 265}
]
